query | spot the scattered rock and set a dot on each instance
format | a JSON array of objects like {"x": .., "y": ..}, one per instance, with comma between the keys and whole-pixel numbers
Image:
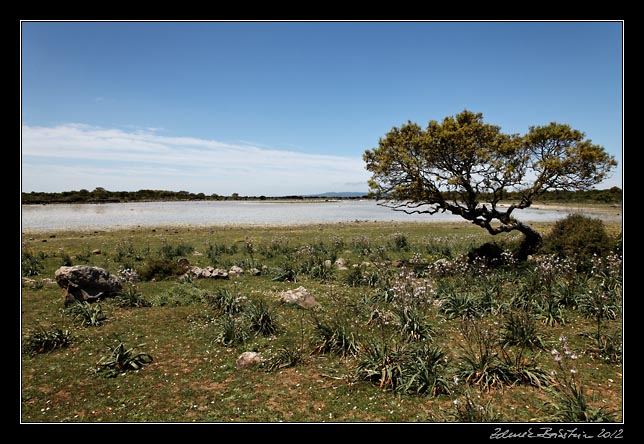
[
  {"x": 96, "y": 251},
  {"x": 208, "y": 272},
  {"x": 235, "y": 271},
  {"x": 85, "y": 283},
  {"x": 27, "y": 281},
  {"x": 300, "y": 296},
  {"x": 341, "y": 264},
  {"x": 254, "y": 272},
  {"x": 248, "y": 359},
  {"x": 32, "y": 282}
]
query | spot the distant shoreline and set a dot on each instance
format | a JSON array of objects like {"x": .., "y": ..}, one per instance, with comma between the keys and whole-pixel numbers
[
  {"x": 289, "y": 199},
  {"x": 100, "y": 195},
  {"x": 540, "y": 205}
]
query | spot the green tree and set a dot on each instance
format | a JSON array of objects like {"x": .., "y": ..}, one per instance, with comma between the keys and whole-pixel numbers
[{"x": 468, "y": 167}]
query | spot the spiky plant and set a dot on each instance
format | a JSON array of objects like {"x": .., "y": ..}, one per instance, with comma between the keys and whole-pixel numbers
[
  {"x": 600, "y": 303},
  {"x": 412, "y": 323},
  {"x": 287, "y": 356},
  {"x": 131, "y": 296},
  {"x": 122, "y": 359},
  {"x": 520, "y": 328},
  {"x": 226, "y": 301},
  {"x": 549, "y": 310},
  {"x": 232, "y": 331},
  {"x": 354, "y": 277},
  {"x": 480, "y": 363},
  {"x": 336, "y": 337},
  {"x": 568, "y": 402},
  {"x": 381, "y": 363},
  {"x": 285, "y": 274},
  {"x": 46, "y": 340},
  {"x": 523, "y": 368},
  {"x": 468, "y": 411},
  {"x": 458, "y": 304},
  {"x": 261, "y": 318},
  {"x": 86, "y": 314},
  {"x": 424, "y": 371}
]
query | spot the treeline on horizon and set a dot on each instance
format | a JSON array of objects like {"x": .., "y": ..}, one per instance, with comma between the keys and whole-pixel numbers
[{"x": 101, "y": 195}]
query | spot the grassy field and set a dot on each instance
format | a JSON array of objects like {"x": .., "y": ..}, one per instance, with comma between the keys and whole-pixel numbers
[{"x": 409, "y": 332}]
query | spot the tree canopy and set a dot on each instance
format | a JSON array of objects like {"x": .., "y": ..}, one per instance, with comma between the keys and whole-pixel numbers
[{"x": 471, "y": 168}]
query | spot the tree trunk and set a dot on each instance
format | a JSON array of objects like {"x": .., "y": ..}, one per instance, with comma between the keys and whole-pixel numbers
[{"x": 531, "y": 243}]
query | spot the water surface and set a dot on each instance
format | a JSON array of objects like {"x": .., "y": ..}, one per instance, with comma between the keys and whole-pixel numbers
[{"x": 59, "y": 217}]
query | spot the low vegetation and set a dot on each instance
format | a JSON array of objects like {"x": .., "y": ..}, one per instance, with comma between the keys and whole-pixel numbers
[{"x": 416, "y": 323}]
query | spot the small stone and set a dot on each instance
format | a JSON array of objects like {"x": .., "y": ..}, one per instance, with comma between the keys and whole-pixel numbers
[
  {"x": 235, "y": 271},
  {"x": 248, "y": 359},
  {"x": 300, "y": 296}
]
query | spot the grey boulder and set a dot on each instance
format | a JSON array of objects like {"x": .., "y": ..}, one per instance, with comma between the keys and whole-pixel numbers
[{"x": 85, "y": 283}]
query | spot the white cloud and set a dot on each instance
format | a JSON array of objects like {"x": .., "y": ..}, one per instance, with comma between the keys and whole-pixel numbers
[{"x": 56, "y": 158}]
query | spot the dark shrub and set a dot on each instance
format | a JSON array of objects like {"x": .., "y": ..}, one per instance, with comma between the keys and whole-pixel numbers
[
  {"x": 160, "y": 268},
  {"x": 580, "y": 237},
  {"x": 174, "y": 251},
  {"x": 44, "y": 341},
  {"x": 489, "y": 253}
]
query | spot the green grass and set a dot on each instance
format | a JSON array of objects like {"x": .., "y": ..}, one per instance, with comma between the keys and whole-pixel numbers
[{"x": 191, "y": 376}]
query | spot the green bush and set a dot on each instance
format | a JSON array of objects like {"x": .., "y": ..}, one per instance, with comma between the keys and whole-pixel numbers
[
  {"x": 399, "y": 242},
  {"x": 174, "y": 251},
  {"x": 160, "y": 268},
  {"x": 579, "y": 237},
  {"x": 31, "y": 264}
]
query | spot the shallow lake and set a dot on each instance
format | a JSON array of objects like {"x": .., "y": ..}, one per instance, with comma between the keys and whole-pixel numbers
[{"x": 58, "y": 217}]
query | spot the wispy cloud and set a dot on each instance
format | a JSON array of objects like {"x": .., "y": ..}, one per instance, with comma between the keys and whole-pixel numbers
[{"x": 123, "y": 158}]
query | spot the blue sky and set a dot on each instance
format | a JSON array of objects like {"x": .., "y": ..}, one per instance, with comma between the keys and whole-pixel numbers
[{"x": 278, "y": 108}]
